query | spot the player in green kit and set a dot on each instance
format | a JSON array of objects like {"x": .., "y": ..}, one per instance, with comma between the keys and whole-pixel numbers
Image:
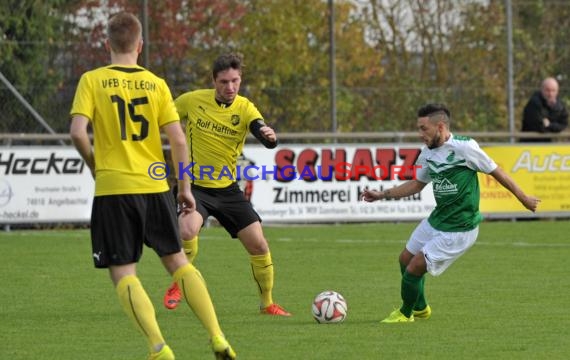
[
  {"x": 450, "y": 163},
  {"x": 127, "y": 106},
  {"x": 217, "y": 122}
]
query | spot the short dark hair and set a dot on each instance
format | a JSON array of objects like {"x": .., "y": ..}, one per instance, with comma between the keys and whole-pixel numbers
[
  {"x": 124, "y": 31},
  {"x": 433, "y": 109},
  {"x": 227, "y": 61}
]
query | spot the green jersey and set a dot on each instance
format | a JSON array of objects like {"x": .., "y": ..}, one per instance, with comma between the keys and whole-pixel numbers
[{"x": 452, "y": 168}]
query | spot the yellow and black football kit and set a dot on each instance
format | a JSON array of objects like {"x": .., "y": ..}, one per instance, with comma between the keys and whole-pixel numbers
[
  {"x": 215, "y": 134},
  {"x": 126, "y": 106}
]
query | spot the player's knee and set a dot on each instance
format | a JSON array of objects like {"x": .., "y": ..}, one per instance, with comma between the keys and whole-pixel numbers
[
  {"x": 417, "y": 265},
  {"x": 257, "y": 248},
  {"x": 188, "y": 230},
  {"x": 187, "y": 233},
  {"x": 405, "y": 257},
  {"x": 173, "y": 262},
  {"x": 189, "y": 225}
]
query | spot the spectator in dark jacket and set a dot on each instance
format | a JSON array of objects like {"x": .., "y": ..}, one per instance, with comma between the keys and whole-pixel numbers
[{"x": 545, "y": 112}]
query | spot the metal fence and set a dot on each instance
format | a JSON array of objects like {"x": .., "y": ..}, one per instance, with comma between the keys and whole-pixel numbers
[
  {"x": 372, "y": 105},
  {"x": 391, "y": 137},
  {"x": 16, "y": 116}
]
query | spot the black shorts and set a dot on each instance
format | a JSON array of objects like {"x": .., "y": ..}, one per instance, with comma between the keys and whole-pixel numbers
[
  {"x": 121, "y": 224},
  {"x": 228, "y": 205}
]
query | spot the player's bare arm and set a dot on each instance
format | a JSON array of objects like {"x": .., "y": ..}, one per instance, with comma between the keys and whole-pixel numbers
[
  {"x": 529, "y": 202},
  {"x": 179, "y": 154},
  {"x": 406, "y": 189},
  {"x": 81, "y": 141}
]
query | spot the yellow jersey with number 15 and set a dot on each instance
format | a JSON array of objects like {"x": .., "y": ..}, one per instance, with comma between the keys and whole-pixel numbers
[{"x": 126, "y": 106}]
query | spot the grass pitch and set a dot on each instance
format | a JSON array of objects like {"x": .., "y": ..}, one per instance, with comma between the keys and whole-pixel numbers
[{"x": 507, "y": 298}]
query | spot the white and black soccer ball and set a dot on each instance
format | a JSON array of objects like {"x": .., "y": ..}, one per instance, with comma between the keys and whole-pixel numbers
[{"x": 329, "y": 307}]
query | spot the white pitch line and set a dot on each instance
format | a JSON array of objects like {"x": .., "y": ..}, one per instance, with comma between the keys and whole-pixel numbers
[
  {"x": 524, "y": 244},
  {"x": 47, "y": 233},
  {"x": 390, "y": 241},
  {"x": 81, "y": 233}
]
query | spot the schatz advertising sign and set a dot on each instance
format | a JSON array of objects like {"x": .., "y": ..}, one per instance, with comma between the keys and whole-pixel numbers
[{"x": 324, "y": 183}]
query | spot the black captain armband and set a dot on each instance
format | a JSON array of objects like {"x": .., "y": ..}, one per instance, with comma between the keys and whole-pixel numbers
[{"x": 254, "y": 127}]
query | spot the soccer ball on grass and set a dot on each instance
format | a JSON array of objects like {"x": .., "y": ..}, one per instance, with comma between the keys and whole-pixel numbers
[{"x": 329, "y": 307}]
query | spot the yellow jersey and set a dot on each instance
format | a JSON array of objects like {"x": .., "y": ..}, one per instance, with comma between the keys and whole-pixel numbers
[
  {"x": 126, "y": 106},
  {"x": 215, "y": 135}
]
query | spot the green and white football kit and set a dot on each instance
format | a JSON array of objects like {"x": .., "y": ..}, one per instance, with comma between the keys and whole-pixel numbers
[{"x": 453, "y": 225}]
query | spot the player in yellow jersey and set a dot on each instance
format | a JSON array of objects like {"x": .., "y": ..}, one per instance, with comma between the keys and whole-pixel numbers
[
  {"x": 217, "y": 123},
  {"x": 127, "y": 106}
]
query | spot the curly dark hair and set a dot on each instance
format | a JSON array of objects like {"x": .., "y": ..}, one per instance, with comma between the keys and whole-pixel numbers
[{"x": 227, "y": 61}]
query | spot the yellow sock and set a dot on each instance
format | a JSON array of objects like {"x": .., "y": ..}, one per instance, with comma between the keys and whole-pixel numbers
[
  {"x": 194, "y": 290},
  {"x": 139, "y": 308},
  {"x": 191, "y": 248},
  {"x": 262, "y": 268}
]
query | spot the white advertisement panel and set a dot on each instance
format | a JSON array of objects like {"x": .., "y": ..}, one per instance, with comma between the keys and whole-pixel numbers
[
  {"x": 44, "y": 184},
  {"x": 289, "y": 184},
  {"x": 323, "y": 183}
]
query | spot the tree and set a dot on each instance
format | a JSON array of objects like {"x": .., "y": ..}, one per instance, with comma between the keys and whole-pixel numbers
[
  {"x": 288, "y": 48},
  {"x": 477, "y": 63},
  {"x": 182, "y": 36},
  {"x": 28, "y": 30},
  {"x": 541, "y": 47},
  {"x": 391, "y": 56},
  {"x": 434, "y": 51}
]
